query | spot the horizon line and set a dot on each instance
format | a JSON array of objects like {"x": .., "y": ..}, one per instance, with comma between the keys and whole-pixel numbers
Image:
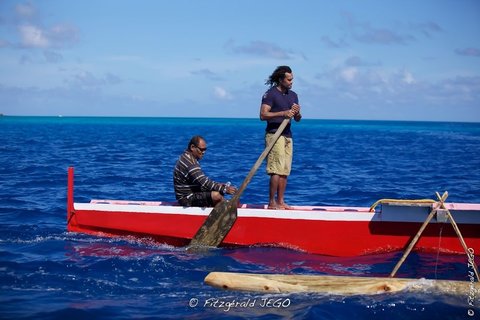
[{"x": 220, "y": 118}]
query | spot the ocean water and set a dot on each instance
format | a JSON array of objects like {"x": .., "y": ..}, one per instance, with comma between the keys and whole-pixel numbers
[{"x": 48, "y": 273}]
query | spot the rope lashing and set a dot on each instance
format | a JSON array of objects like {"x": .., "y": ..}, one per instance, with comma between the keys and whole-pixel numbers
[{"x": 401, "y": 201}]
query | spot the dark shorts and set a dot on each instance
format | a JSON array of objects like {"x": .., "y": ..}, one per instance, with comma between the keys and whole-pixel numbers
[{"x": 198, "y": 199}]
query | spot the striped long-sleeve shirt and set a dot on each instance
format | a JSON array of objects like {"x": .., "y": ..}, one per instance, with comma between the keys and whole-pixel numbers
[{"x": 189, "y": 178}]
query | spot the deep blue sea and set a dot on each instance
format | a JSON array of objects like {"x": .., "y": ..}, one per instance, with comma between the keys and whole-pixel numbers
[{"x": 48, "y": 273}]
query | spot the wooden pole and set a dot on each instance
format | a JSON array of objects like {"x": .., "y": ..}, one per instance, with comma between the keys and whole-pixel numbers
[
  {"x": 419, "y": 233},
  {"x": 462, "y": 240}
]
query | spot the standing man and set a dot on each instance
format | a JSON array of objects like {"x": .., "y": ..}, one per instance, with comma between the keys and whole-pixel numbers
[
  {"x": 279, "y": 103},
  {"x": 192, "y": 187}
]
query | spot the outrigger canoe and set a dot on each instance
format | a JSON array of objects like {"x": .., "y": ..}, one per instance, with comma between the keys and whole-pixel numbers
[{"x": 327, "y": 230}]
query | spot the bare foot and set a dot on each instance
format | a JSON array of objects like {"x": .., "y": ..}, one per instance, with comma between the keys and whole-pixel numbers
[
  {"x": 284, "y": 206},
  {"x": 272, "y": 206}
]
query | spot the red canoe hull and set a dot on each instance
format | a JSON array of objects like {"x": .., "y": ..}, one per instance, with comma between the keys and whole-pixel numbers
[
  {"x": 335, "y": 231},
  {"x": 328, "y": 237}
]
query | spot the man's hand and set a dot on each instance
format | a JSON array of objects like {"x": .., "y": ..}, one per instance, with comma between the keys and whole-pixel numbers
[
  {"x": 296, "y": 112},
  {"x": 292, "y": 112},
  {"x": 230, "y": 189}
]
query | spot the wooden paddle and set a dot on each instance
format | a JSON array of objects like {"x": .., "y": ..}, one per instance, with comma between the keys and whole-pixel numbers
[{"x": 223, "y": 216}]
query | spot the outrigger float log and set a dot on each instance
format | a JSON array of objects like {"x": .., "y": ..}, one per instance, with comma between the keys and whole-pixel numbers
[{"x": 336, "y": 285}]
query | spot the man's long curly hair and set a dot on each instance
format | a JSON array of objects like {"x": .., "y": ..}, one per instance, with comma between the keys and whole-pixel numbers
[{"x": 277, "y": 75}]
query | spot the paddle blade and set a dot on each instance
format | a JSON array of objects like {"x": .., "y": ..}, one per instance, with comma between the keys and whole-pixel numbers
[
  {"x": 223, "y": 216},
  {"x": 216, "y": 226}
]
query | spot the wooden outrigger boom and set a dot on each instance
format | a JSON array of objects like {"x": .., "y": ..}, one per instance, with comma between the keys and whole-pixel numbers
[{"x": 438, "y": 206}]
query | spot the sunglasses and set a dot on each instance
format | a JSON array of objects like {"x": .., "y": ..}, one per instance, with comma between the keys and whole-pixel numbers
[{"x": 201, "y": 149}]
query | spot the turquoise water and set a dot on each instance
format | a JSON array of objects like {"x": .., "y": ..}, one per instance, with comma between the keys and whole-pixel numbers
[{"x": 47, "y": 273}]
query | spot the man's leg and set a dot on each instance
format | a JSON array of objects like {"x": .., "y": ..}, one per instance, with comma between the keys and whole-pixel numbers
[
  {"x": 274, "y": 181},
  {"x": 282, "y": 186},
  {"x": 287, "y": 156},
  {"x": 204, "y": 199},
  {"x": 273, "y": 166},
  {"x": 216, "y": 197}
]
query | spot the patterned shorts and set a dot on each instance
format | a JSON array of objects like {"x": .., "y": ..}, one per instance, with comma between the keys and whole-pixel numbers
[{"x": 279, "y": 159}]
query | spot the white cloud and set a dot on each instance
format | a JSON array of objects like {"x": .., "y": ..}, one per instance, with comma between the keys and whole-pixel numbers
[
  {"x": 221, "y": 93},
  {"x": 25, "y": 11},
  {"x": 52, "y": 57},
  {"x": 33, "y": 36},
  {"x": 472, "y": 52},
  {"x": 261, "y": 48},
  {"x": 408, "y": 78},
  {"x": 34, "y": 33},
  {"x": 61, "y": 34},
  {"x": 349, "y": 74}
]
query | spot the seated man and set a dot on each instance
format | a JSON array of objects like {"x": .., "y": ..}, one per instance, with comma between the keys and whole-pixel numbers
[{"x": 192, "y": 187}]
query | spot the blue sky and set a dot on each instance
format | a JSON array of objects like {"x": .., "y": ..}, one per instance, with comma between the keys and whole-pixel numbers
[{"x": 390, "y": 60}]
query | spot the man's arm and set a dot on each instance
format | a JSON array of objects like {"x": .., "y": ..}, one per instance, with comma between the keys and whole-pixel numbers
[
  {"x": 199, "y": 178},
  {"x": 266, "y": 114}
]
